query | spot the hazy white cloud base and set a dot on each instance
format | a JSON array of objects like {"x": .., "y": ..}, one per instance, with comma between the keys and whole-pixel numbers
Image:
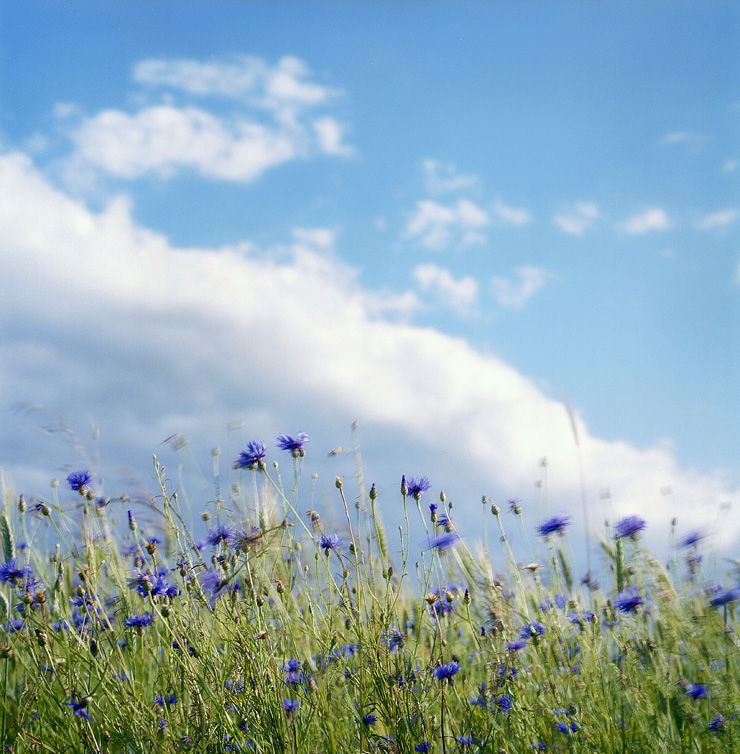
[{"x": 164, "y": 335}]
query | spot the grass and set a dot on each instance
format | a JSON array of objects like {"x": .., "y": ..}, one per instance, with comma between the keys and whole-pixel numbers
[{"x": 277, "y": 634}]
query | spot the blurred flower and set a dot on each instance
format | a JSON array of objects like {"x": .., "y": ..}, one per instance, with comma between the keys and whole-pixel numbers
[
  {"x": 160, "y": 701},
  {"x": 13, "y": 574},
  {"x": 443, "y": 541},
  {"x": 80, "y": 708},
  {"x": 515, "y": 646},
  {"x": 423, "y": 747},
  {"x": 723, "y": 597},
  {"x": 329, "y": 543},
  {"x": 629, "y": 527},
  {"x": 79, "y": 481},
  {"x": 533, "y": 628},
  {"x": 505, "y": 703},
  {"x": 465, "y": 740},
  {"x": 417, "y": 486},
  {"x": 717, "y": 725},
  {"x": 220, "y": 534},
  {"x": 556, "y": 525},
  {"x": 139, "y": 621},
  {"x": 291, "y": 705},
  {"x": 369, "y": 719},
  {"x": 445, "y": 672},
  {"x": 396, "y": 640},
  {"x": 252, "y": 456},
  {"x": 692, "y": 538},
  {"x": 628, "y": 600},
  {"x": 696, "y": 690},
  {"x": 293, "y": 444}
]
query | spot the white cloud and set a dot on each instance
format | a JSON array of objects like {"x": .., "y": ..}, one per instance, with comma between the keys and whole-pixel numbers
[
  {"x": 437, "y": 226},
  {"x": 651, "y": 219},
  {"x": 460, "y": 295},
  {"x": 730, "y": 165},
  {"x": 329, "y": 135},
  {"x": 444, "y": 178},
  {"x": 578, "y": 219},
  {"x": 716, "y": 220},
  {"x": 150, "y": 337},
  {"x": 515, "y": 294},
  {"x": 679, "y": 137},
  {"x": 510, "y": 215}
]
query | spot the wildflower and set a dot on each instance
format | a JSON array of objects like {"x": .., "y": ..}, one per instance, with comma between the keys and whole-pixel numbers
[
  {"x": 531, "y": 629},
  {"x": 79, "y": 481},
  {"x": 291, "y": 705},
  {"x": 567, "y": 729},
  {"x": 423, "y": 747},
  {"x": 80, "y": 708},
  {"x": 253, "y": 457},
  {"x": 717, "y": 725},
  {"x": 215, "y": 585},
  {"x": 433, "y": 512},
  {"x": 369, "y": 719},
  {"x": 505, "y": 703},
  {"x": 293, "y": 444},
  {"x": 443, "y": 541},
  {"x": 515, "y": 646},
  {"x": 465, "y": 740},
  {"x": 723, "y": 597},
  {"x": 329, "y": 543},
  {"x": 160, "y": 701},
  {"x": 445, "y": 672},
  {"x": 515, "y": 507},
  {"x": 293, "y": 672},
  {"x": 629, "y": 527},
  {"x": 396, "y": 640},
  {"x": 220, "y": 534},
  {"x": 139, "y": 622},
  {"x": 13, "y": 574},
  {"x": 628, "y": 600},
  {"x": 696, "y": 691},
  {"x": 418, "y": 486},
  {"x": 555, "y": 525},
  {"x": 692, "y": 538}
]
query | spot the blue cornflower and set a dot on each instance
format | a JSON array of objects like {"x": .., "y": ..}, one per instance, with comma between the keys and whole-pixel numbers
[
  {"x": 80, "y": 708},
  {"x": 567, "y": 729},
  {"x": 79, "y": 480},
  {"x": 696, "y": 691},
  {"x": 515, "y": 646},
  {"x": 417, "y": 486},
  {"x": 293, "y": 444},
  {"x": 423, "y": 747},
  {"x": 139, "y": 622},
  {"x": 533, "y": 628},
  {"x": 465, "y": 740},
  {"x": 723, "y": 597},
  {"x": 220, "y": 534},
  {"x": 369, "y": 719},
  {"x": 160, "y": 700},
  {"x": 692, "y": 538},
  {"x": 214, "y": 585},
  {"x": 629, "y": 527},
  {"x": 329, "y": 543},
  {"x": 717, "y": 725},
  {"x": 13, "y": 574},
  {"x": 445, "y": 672},
  {"x": 253, "y": 457},
  {"x": 293, "y": 672},
  {"x": 291, "y": 705},
  {"x": 628, "y": 600},
  {"x": 505, "y": 703},
  {"x": 395, "y": 640},
  {"x": 556, "y": 525},
  {"x": 443, "y": 541}
]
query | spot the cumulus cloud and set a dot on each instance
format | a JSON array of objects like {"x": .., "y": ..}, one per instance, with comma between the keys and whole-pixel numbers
[
  {"x": 155, "y": 337},
  {"x": 270, "y": 122},
  {"x": 438, "y": 226},
  {"x": 514, "y": 294},
  {"x": 509, "y": 215},
  {"x": 460, "y": 295},
  {"x": 717, "y": 220},
  {"x": 578, "y": 219},
  {"x": 653, "y": 218},
  {"x": 442, "y": 178}
]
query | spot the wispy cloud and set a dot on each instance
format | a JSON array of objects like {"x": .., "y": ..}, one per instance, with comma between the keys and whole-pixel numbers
[
  {"x": 654, "y": 218},
  {"x": 460, "y": 294},
  {"x": 442, "y": 178},
  {"x": 271, "y": 122},
  {"x": 437, "y": 226},
  {"x": 730, "y": 165},
  {"x": 680, "y": 137},
  {"x": 185, "y": 337},
  {"x": 717, "y": 220},
  {"x": 578, "y": 219},
  {"x": 509, "y": 215},
  {"x": 514, "y": 294}
]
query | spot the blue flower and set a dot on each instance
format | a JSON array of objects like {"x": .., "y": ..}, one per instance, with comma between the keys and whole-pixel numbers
[
  {"x": 423, "y": 747},
  {"x": 515, "y": 646},
  {"x": 445, "y": 672},
  {"x": 696, "y": 691},
  {"x": 329, "y": 543},
  {"x": 369, "y": 719},
  {"x": 395, "y": 640},
  {"x": 13, "y": 574},
  {"x": 628, "y": 600},
  {"x": 79, "y": 481},
  {"x": 220, "y": 534},
  {"x": 567, "y": 729},
  {"x": 555, "y": 525},
  {"x": 533, "y": 628},
  {"x": 443, "y": 541},
  {"x": 416, "y": 486},
  {"x": 252, "y": 457},
  {"x": 691, "y": 539},
  {"x": 139, "y": 621},
  {"x": 215, "y": 585},
  {"x": 80, "y": 708},
  {"x": 160, "y": 701},
  {"x": 293, "y": 444},
  {"x": 505, "y": 702},
  {"x": 717, "y": 725},
  {"x": 465, "y": 740},
  {"x": 291, "y": 705},
  {"x": 293, "y": 672},
  {"x": 723, "y": 597},
  {"x": 629, "y": 527}
]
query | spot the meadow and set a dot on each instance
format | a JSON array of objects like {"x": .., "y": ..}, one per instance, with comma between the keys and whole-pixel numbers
[{"x": 275, "y": 632}]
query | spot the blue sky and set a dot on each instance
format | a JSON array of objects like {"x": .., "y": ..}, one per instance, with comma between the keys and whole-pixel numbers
[{"x": 439, "y": 219}]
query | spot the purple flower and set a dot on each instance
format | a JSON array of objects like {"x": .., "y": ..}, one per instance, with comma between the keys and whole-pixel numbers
[
  {"x": 531, "y": 629},
  {"x": 696, "y": 691},
  {"x": 629, "y": 527},
  {"x": 555, "y": 525},
  {"x": 423, "y": 747},
  {"x": 80, "y": 708},
  {"x": 252, "y": 457},
  {"x": 505, "y": 703},
  {"x": 291, "y": 705},
  {"x": 515, "y": 646},
  {"x": 443, "y": 541},
  {"x": 139, "y": 621},
  {"x": 329, "y": 543},
  {"x": 214, "y": 585},
  {"x": 445, "y": 672},
  {"x": 567, "y": 729},
  {"x": 417, "y": 486},
  {"x": 717, "y": 725},
  {"x": 723, "y": 597},
  {"x": 293, "y": 444},
  {"x": 692, "y": 538},
  {"x": 628, "y": 600},
  {"x": 13, "y": 574},
  {"x": 395, "y": 640},
  {"x": 465, "y": 740},
  {"x": 220, "y": 534},
  {"x": 369, "y": 719},
  {"x": 160, "y": 701},
  {"x": 79, "y": 481}
]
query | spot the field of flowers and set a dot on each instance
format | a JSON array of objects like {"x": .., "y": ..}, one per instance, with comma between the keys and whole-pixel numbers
[{"x": 274, "y": 633}]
